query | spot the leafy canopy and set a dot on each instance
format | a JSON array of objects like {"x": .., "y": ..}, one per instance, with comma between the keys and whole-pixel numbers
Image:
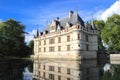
[
  {"x": 12, "y": 38},
  {"x": 111, "y": 32},
  {"x": 100, "y": 24}
]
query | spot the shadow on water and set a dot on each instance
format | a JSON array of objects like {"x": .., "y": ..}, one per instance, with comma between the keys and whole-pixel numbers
[{"x": 12, "y": 69}]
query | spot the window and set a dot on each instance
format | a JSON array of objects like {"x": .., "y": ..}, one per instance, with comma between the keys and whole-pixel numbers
[
  {"x": 51, "y": 76},
  {"x": 68, "y": 78},
  {"x": 39, "y": 73},
  {"x": 59, "y": 77},
  {"x": 44, "y": 42},
  {"x": 87, "y": 47},
  {"x": 59, "y": 40},
  {"x": 44, "y": 49},
  {"x": 51, "y": 49},
  {"x": 52, "y": 27},
  {"x": 68, "y": 71},
  {"x": 88, "y": 72},
  {"x": 51, "y": 41},
  {"x": 39, "y": 49},
  {"x": 51, "y": 68},
  {"x": 87, "y": 39},
  {"x": 39, "y": 66},
  {"x": 68, "y": 38},
  {"x": 39, "y": 42},
  {"x": 59, "y": 69},
  {"x": 59, "y": 48},
  {"x": 44, "y": 67},
  {"x": 78, "y": 36},
  {"x": 44, "y": 74},
  {"x": 68, "y": 47}
]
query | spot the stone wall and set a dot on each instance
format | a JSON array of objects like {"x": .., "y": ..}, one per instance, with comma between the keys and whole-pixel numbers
[
  {"x": 78, "y": 47},
  {"x": 115, "y": 58}
]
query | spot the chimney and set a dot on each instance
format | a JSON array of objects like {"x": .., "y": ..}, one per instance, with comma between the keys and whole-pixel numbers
[
  {"x": 70, "y": 14},
  {"x": 57, "y": 18}
]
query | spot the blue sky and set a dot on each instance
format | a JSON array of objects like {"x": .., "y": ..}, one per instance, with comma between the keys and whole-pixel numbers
[{"x": 41, "y": 12}]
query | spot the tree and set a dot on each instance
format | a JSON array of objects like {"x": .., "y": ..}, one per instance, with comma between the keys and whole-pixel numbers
[
  {"x": 111, "y": 33},
  {"x": 116, "y": 73},
  {"x": 31, "y": 46},
  {"x": 113, "y": 73},
  {"x": 107, "y": 76},
  {"x": 12, "y": 38},
  {"x": 100, "y": 24}
]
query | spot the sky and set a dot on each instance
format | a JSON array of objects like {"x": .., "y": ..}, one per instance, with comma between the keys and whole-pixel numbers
[{"x": 39, "y": 13}]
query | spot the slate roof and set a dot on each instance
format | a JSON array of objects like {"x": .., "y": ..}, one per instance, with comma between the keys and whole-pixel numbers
[
  {"x": 71, "y": 20},
  {"x": 74, "y": 19}
]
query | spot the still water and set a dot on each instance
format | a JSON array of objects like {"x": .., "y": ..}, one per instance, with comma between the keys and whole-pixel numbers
[
  {"x": 66, "y": 70},
  {"x": 15, "y": 69}
]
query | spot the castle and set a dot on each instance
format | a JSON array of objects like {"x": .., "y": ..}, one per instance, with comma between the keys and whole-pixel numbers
[{"x": 67, "y": 38}]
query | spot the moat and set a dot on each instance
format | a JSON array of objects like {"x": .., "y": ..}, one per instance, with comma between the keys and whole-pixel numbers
[{"x": 17, "y": 69}]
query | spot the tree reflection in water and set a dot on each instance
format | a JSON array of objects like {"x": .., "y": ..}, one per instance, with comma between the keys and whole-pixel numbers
[
  {"x": 113, "y": 73},
  {"x": 12, "y": 69}
]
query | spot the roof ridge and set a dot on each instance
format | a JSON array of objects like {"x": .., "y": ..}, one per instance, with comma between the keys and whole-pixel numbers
[{"x": 74, "y": 19}]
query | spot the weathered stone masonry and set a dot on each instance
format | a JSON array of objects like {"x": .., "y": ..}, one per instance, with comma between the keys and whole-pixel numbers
[{"x": 68, "y": 38}]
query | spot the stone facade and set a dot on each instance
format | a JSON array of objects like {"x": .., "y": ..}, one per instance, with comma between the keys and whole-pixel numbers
[
  {"x": 67, "y": 38},
  {"x": 115, "y": 58}
]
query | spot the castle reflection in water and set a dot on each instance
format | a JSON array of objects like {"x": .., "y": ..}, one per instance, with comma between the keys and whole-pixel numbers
[{"x": 65, "y": 70}]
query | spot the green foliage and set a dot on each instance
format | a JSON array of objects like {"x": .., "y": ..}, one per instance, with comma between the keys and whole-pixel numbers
[
  {"x": 12, "y": 39},
  {"x": 111, "y": 32},
  {"x": 116, "y": 75},
  {"x": 99, "y": 24},
  {"x": 112, "y": 74},
  {"x": 107, "y": 76},
  {"x": 31, "y": 46}
]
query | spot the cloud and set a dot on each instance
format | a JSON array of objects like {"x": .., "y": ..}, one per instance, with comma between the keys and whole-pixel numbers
[
  {"x": 30, "y": 36},
  {"x": 1, "y": 20},
  {"x": 44, "y": 15},
  {"x": 104, "y": 14},
  {"x": 98, "y": 14},
  {"x": 106, "y": 67},
  {"x": 115, "y": 8}
]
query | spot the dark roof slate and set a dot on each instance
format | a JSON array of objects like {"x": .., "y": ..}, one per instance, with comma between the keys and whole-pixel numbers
[{"x": 75, "y": 19}]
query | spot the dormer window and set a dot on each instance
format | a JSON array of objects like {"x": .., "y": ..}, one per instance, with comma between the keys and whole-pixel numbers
[
  {"x": 53, "y": 25},
  {"x": 45, "y": 32},
  {"x": 67, "y": 25},
  {"x": 58, "y": 28},
  {"x": 52, "y": 28}
]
